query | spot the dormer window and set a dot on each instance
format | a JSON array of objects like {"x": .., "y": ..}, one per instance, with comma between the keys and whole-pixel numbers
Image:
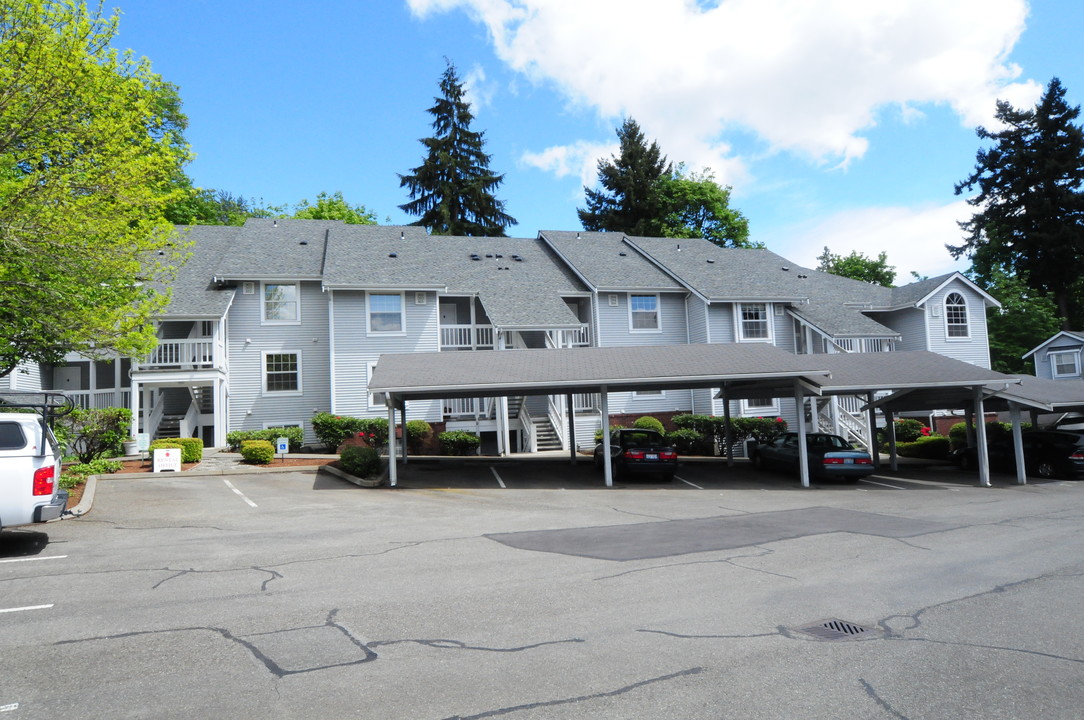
[
  {"x": 753, "y": 322},
  {"x": 644, "y": 313},
  {"x": 956, "y": 324},
  {"x": 281, "y": 303}
]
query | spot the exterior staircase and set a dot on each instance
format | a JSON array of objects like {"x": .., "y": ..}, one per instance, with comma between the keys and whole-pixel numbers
[
  {"x": 170, "y": 427},
  {"x": 546, "y": 437}
]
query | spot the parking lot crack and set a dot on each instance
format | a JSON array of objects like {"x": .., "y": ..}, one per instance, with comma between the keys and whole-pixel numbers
[
  {"x": 881, "y": 701},
  {"x": 272, "y": 575},
  {"x": 579, "y": 698},
  {"x": 732, "y": 560},
  {"x": 459, "y": 645}
]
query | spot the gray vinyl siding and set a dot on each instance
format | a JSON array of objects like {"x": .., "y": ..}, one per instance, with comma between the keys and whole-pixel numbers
[
  {"x": 721, "y": 323},
  {"x": 355, "y": 350},
  {"x": 910, "y": 324},
  {"x": 250, "y": 408},
  {"x": 669, "y": 401},
  {"x": 697, "y": 311},
  {"x": 26, "y": 377},
  {"x": 975, "y": 349},
  {"x": 1044, "y": 368},
  {"x": 614, "y": 322}
]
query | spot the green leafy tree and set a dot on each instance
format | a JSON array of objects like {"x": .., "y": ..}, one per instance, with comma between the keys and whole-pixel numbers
[
  {"x": 1026, "y": 318},
  {"x": 89, "y": 152},
  {"x": 199, "y": 206},
  {"x": 631, "y": 200},
  {"x": 1029, "y": 217},
  {"x": 696, "y": 206},
  {"x": 334, "y": 207},
  {"x": 858, "y": 267},
  {"x": 452, "y": 191}
]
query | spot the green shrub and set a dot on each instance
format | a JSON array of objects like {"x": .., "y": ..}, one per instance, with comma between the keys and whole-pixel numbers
[
  {"x": 458, "y": 442},
  {"x": 257, "y": 452},
  {"x": 994, "y": 429},
  {"x": 295, "y": 435},
  {"x": 333, "y": 430},
  {"x": 374, "y": 431},
  {"x": 689, "y": 442},
  {"x": 191, "y": 448},
  {"x": 909, "y": 430},
  {"x": 759, "y": 429},
  {"x": 598, "y": 433},
  {"x": 73, "y": 475},
  {"x": 648, "y": 423},
  {"x": 417, "y": 431},
  {"x": 361, "y": 461},
  {"x": 91, "y": 434},
  {"x": 932, "y": 448}
]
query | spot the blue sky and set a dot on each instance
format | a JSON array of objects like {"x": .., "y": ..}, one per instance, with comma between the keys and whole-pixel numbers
[{"x": 840, "y": 123}]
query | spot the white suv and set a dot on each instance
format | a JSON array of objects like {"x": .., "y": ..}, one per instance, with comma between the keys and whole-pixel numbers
[{"x": 29, "y": 468}]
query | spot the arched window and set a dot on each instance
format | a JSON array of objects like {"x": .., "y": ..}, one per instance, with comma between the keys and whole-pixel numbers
[{"x": 956, "y": 316}]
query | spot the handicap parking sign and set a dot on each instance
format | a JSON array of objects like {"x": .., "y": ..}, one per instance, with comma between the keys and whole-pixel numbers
[{"x": 282, "y": 445}]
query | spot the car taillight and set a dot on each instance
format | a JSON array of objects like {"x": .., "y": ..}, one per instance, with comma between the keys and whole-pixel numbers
[
  {"x": 634, "y": 454},
  {"x": 43, "y": 480},
  {"x": 863, "y": 461},
  {"x": 1078, "y": 455},
  {"x": 668, "y": 455},
  {"x": 833, "y": 461}
]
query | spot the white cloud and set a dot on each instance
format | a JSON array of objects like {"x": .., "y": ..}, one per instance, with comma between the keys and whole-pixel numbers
[
  {"x": 914, "y": 239},
  {"x": 579, "y": 159},
  {"x": 476, "y": 90},
  {"x": 801, "y": 76}
]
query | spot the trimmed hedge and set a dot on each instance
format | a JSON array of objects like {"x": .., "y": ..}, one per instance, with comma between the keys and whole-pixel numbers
[
  {"x": 689, "y": 442},
  {"x": 931, "y": 448},
  {"x": 334, "y": 430},
  {"x": 191, "y": 448},
  {"x": 458, "y": 442},
  {"x": 648, "y": 423},
  {"x": 598, "y": 433},
  {"x": 295, "y": 435},
  {"x": 417, "y": 432},
  {"x": 363, "y": 462},
  {"x": 258, "y": 452}
]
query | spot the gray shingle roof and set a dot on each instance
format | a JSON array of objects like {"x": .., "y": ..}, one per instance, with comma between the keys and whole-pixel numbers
[
  {"x": 270, "y": 249},
  {"x": 598, "y": 258},
  {"x": 194, "y": 293},
  {"x": 519, "y": 282}
]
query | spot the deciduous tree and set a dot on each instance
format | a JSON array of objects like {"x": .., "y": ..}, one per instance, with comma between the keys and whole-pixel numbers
[
  {"x": 452, "y": 191},
  {"x": 89, "y": 150},
  {"x": 858, "y": 267},
  {"x": 1029, "y": 217},
  {"x": 334, "y": 207},
  {"x": 697, "y": 206}
]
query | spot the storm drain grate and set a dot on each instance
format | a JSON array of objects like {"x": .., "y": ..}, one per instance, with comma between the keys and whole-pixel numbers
[{"x": 836, "y": 629}]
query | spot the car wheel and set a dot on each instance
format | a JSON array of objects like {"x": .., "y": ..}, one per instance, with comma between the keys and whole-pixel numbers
[
  {"x": 1046, "y": 470},
  {"x": 598, "y": 462}
]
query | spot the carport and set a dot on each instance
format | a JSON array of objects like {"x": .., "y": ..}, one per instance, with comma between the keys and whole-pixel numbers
[{"x": 742, "y": 370}]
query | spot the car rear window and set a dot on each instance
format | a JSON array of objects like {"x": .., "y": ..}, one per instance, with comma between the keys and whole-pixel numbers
[{"x": 11, "y": 436}]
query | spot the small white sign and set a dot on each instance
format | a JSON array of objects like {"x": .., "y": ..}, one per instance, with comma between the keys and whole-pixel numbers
[
  {"x": 167, "y": 460},
  {"x": 282, "y": 445},
  {"x": 143, "y": 442}
]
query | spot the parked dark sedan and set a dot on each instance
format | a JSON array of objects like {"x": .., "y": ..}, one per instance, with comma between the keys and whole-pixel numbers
[
  {"x": 639, "y": 451},
  {"x": 1047, "y": 453},
  {"x": 829, "y": 456}
]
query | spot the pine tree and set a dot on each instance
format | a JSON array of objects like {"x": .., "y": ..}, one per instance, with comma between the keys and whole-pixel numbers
[
  {"x": 451, "y": 192},
  {"x": 1030, "y": 218},
  {"x": 632, "y": 201}
]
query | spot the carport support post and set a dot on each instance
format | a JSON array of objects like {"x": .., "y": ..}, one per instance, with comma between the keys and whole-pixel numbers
[
  {"x": 392, "y": 475},
  {"x": 1018, "y": 444},
  {"x": 728, "y": 430},
  {"x": 874, "y": 451},
  {"x": 890, "y": 431},
  {"x": 803, "y": 454},
  {"x": 606, "y": 464},
  {"x": 980, "y": 433},
  {"x": 571, "y": 410},
  {"x": 402, "y": 424}
]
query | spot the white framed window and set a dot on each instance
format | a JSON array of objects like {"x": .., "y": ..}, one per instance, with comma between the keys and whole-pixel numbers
[
  {"x": 956, "y": 324},
  {"x": 248, "y": 288},
  {"x": 419, "y": 298},
  {"x": 649, "y": 393},
  {"x": 281, "y": 304},
  {"x": 644, "y": 313},
  {"x": 282, "y": 373},
  {"x": 368, "y": 377},
  {"x": 385, "y": 313},
  {"x": 1065, "y": 363},
  {"x": 757, "y": 407},
  {"x": 754, "y": 322},
  {"x": 284, "y": 424}
]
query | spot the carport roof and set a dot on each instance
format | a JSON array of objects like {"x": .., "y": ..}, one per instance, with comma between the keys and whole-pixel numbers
[
  {"x": 1026, "y": 391},
  {"x": 544, "y": 372}
]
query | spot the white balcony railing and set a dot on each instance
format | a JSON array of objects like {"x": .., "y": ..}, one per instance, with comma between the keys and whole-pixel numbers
[
  {"x": 182, "y": 354},
  {"x": 467, "y": 407},
  {"x": 98, "y": 399},
  {"x": 466, "y": 337}
]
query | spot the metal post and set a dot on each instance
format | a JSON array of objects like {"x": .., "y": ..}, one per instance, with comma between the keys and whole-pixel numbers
[
  {"x": 874, "y": 451},
  {"x": 728, "y": 430},
  {"x": 1018, "y": 444},
  {"x": 890, "y": 431},
  {"x": 571, "y": 409},
  {"x": 980, "y": 432},
  {"x": 402, "y": 424},
  {"x": 606, "y": 465},
  {"x": 392, "y": 474},
  {"x": 803, "y": 452}
]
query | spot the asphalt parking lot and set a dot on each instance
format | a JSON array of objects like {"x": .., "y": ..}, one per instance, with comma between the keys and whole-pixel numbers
[{"x": 525, "y": 589}]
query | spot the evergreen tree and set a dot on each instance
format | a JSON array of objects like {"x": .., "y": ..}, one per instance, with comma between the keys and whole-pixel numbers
[
  {"x": 1030, "y": 217},
  {"x": 631, "y": 200},
  {"x": 451, "y": 192}
]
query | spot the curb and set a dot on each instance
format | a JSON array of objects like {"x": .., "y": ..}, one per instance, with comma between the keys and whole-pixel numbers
[{"x": 87, "y": 501}]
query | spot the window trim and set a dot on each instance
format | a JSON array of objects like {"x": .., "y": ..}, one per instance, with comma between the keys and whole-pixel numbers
[
  {"x": 284, "y": 424},
  {"x": 750, "y": 410},
  {"x": 654, "y": 394},
  {"x": 369, "y": 314},
  {"x": 263, "y": 374},
  {"x": 739, "y": 323},
  {"x": 370, "y": 403},
  {"x": 658, "y": 313},
  {"x": 966, "y": 324},
  {"x": 263, "y": 304},
  {"x": 1075, "y": 354}
]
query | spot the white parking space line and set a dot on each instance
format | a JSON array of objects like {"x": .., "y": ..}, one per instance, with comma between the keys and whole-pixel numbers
[
  {"x": 47, "y": 557},
  {"x": 873, "y": 482},
  {"x": 231, "y": 487},
  {"x": 28, "y": 607},
  {"x": 689, "y": 483},
  {"x": 499, "y": 481}
]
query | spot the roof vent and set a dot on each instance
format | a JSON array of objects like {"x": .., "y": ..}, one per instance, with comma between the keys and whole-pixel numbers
[
  {"x": 402, "y": 236},
  {"x": 489, "y": 255},
  {"x": 303, "y": 242},
  {"x": 517, "y": 258},
  {"x": 622, "y": 253},
  {"x": 498, "y": 255},
  {"x": 679, "y": 247},
  {"x": 577, "y": 236},
  {"x": 393, "y": 254},
  {"x": 711, "y": 261},
  {"x": 786, "y": 269},
  {"x": 475, "y": 256}
]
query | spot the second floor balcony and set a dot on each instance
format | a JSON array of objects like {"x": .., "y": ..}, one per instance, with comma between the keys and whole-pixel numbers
[{"x": 182, "y": 355}]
